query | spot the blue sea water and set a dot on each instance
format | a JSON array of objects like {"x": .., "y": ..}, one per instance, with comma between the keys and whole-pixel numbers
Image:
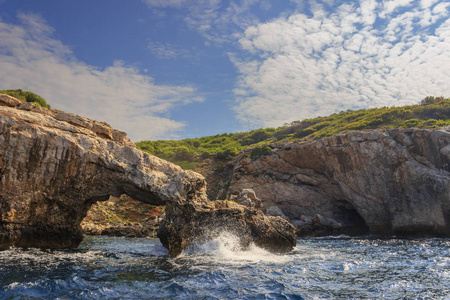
[{"x": 318, "y": 268}]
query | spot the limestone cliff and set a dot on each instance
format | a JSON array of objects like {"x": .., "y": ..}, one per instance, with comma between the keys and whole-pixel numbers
[
  {"x": 383, "y": 182},
  {"x": 55, "y": 165}
]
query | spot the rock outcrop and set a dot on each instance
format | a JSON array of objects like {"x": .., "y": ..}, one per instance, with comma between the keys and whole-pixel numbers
[
  {"x": 382, "y": 182},
  {"x": 55, "y": 165},
  {"x": 188, "y": 223}
]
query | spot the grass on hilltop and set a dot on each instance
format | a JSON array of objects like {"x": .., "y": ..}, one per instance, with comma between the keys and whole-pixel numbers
[
  {"x": 26, "y": 96},
  {"x": 432, "y": 112}
]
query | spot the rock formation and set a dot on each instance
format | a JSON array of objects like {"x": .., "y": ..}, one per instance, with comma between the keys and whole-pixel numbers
[
  {"x": 187, "y": 223},
  {"x": 383, "y": 182},
  {"x": 55, "y": 165}
]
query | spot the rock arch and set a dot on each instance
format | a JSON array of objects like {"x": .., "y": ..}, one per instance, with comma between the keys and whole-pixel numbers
[{"x": 55, "y": 165}]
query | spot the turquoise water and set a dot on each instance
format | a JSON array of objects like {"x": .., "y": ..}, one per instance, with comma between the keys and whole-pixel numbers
[{"x": 318, "y": 268}]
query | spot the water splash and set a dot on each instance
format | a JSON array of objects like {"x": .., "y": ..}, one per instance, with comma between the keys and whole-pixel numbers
[{"x": 225, "y": 246}]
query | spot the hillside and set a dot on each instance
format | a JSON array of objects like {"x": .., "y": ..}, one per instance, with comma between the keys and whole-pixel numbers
[{"x": 432, "y": 112}]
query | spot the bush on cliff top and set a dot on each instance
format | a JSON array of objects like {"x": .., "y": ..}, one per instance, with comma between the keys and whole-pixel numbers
[
  {"x": 432, "y": 112},
  {"x": 26, "y": 96}
]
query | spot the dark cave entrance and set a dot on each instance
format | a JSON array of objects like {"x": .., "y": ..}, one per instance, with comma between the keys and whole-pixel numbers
[{"x": 353, "y": 223}]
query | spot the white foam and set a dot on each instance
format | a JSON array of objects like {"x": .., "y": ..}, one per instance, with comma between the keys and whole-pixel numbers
[{"x": 226, "y": 247}]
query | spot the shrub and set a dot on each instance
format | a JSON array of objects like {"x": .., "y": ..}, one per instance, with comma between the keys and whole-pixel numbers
[
  {"x": 411, "y": 123},
  {"x": 26, "y": 96},
  {"x": 228, "y": 154},
  {"x": 304, "y": 132},
  {"x": 431, "y": 100},
  {"x": 260, "y": 151}
]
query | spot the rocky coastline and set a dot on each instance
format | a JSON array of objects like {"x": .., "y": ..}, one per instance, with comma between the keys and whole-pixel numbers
[
  {"x": 392, "y": 182},
  {"x": 54, "y": 166}
]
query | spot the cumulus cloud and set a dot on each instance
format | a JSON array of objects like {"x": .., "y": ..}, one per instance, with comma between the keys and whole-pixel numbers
[
  {"x": 119, "y": 94},
  {"x": 362, "y": 54}
]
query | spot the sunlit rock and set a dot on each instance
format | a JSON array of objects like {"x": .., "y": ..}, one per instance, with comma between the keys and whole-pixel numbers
[{"x": 55, "y": 165}]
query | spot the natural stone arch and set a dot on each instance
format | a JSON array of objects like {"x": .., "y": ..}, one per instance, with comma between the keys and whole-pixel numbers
[{"x": 54, "y": 166}]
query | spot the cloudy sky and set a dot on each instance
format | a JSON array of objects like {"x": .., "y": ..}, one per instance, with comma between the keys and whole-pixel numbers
[{"x": 164, "y": 69}]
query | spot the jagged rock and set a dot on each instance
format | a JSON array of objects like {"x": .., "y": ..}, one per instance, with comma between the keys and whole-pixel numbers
[
  {"x": 248, "y": 198},
  {"x": 54, "y": 166},
  {"x": 384, "y": 182},
  {"x": 192, "y": 222}
]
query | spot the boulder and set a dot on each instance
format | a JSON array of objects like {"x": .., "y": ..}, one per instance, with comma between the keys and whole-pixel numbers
[
  {"x": 248, "y": 198},
  {"x": 275, "y": 211},
  {"x": 190, "y": 223}
]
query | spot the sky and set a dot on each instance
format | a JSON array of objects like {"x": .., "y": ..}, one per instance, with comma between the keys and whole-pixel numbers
[{"x": 173, "y": 69}]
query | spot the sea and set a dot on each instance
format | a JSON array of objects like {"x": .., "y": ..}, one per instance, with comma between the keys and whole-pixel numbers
[{"x": 317, "y": 268}]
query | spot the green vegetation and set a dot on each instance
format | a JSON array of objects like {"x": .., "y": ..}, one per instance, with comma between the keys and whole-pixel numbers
[
  {"x": 26, "y": 96},
  {"x": 432, "y": 112}
]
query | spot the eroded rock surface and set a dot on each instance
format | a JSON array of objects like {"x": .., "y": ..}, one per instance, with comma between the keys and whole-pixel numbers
[
  {"x": 392, "y": 182},
  {"x": 55, "y": 165}
]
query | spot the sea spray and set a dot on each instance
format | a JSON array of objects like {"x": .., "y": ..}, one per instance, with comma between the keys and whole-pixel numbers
[{"x": 225, "y": 246}]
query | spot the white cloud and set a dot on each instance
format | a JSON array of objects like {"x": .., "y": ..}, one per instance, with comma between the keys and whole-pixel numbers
[
  {"x": 300, "y": 67},
  {"x": 164, "y": 3},
  {"x": 168, "y": 51},
  {"x": 119, "y": 94},
  {"x": 391, "y": 5},
  {"x": 216, "y": 20}
]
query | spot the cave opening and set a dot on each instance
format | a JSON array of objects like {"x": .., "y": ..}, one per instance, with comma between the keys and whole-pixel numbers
[{"x": 353, "y": 223}]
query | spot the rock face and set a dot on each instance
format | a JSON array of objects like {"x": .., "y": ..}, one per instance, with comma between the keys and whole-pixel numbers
[
  {"x": 55, "y": 165},
  {"x": 393, "y": 182}
]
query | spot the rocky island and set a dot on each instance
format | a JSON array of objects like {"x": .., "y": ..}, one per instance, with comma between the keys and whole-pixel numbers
[{"x": 55, "y": 165}]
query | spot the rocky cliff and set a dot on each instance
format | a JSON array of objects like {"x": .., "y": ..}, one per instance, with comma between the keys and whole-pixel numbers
[
  {"x": 55, "y": 165},
  {"x": 383, "y": 182}
]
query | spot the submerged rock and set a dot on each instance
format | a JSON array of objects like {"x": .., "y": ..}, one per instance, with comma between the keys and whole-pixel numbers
[{"x": 55, "y": 165}]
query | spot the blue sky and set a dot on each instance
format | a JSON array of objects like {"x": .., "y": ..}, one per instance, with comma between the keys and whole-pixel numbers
[{"x": 164, "y": 69}]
